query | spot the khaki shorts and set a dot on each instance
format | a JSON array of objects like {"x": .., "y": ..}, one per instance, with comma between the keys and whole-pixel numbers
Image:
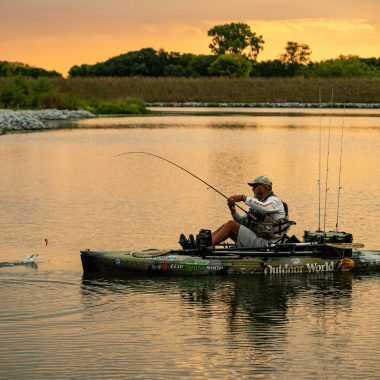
[{"x": 248, "y": 239}]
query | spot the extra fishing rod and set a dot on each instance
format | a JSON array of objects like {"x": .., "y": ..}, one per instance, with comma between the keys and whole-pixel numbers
[
  {"x": 319, "y": 159},
  {"x": 327, "y": 161},
  {"x": 185, "y": 170},
  {"x": 340, "y": 168}
]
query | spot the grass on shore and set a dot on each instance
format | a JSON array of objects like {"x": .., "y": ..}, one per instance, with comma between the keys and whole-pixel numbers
[
  {"x": 27, "y": 93},
  {"x": 230, "y": 90},
  {"x": 110, "y": 95}
]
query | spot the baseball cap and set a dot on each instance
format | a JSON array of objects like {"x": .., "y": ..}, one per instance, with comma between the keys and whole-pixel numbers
[{"x": 262, "y": 179}]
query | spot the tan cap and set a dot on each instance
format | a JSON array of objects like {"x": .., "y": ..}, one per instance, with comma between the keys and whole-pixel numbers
[{"x": 262, "y": 179}]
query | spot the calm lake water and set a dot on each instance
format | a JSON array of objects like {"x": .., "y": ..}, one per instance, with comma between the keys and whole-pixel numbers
[{"x": 67, "y": 187}]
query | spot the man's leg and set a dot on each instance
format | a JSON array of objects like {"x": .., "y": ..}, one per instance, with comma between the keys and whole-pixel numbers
[{"x": 225, "y": 231}]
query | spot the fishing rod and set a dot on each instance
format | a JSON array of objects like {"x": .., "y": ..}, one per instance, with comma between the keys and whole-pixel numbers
[
  {"x": 187, "y": 171},
  {"x": 319, "y": 159},
  {"x": 327, "y": 161},
  {"x": 340, "y": 168}
]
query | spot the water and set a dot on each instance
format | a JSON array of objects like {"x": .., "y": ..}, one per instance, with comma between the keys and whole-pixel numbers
[{"x": 66, "y": 187}]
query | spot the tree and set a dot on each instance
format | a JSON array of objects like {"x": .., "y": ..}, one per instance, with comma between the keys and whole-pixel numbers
[
  {"x": 296, "y": 53},
  {"x": 341, "y": 67},
  {"x": 274, "y": 68},
  {"x": 231, "y": 65},
  {"x": 235, "y": 38},
  {"x": 10, "y": 69},
  {"x": 200, "y": 64}
]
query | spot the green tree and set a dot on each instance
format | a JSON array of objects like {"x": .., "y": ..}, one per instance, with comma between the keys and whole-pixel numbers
[
  {"x": 235, "y": 38},
  {"x": 200, "y": 64},
  {"x": 350, "y": 66},
  {"x": 16, "y": 92},
  {"x": 231, "y": 65},
  {"x": 273, "y": 68},
  {"x": 296, "y": 53},
  {"x": 10, "y": 69}
]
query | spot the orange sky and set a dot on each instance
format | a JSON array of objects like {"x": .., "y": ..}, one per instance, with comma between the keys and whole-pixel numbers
[{"x": 57, "y": 34}]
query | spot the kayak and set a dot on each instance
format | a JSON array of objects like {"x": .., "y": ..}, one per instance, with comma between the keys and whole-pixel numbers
[{"x": 276, "y": 259}]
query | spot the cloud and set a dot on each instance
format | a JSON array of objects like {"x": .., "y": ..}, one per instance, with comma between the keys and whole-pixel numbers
[{"x": 327, "y": 37}]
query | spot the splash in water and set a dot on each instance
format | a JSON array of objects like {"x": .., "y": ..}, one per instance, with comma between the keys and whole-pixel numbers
[{"x": 29, "y": 260}]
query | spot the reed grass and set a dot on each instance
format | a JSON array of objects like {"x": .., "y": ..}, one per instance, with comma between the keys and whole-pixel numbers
[{"x": 246, "y": 90}]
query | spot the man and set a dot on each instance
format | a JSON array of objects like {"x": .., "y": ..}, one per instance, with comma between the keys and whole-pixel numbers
[{"x": 268, "y": 224}]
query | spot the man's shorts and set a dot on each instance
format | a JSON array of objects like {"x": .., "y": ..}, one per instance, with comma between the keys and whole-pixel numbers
[{"x": 248, "y": 239}]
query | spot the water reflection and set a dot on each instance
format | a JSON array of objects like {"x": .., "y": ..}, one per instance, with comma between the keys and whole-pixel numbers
[
  {"x": 232, "y": 125},
  {"x": 256, "y": 307}
]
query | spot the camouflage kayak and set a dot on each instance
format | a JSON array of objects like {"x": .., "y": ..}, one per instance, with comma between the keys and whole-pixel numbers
[{"x": 278, "y": 259}]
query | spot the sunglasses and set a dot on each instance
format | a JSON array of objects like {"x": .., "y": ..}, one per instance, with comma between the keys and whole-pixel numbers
[{"x": 255, "y": 185}]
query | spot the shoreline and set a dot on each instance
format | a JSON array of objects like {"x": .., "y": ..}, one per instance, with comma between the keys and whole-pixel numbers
[
  {"x": 263, "y": 105},
  {"x": 36, "y": 120},
  {"x": 13, "y": 121}
]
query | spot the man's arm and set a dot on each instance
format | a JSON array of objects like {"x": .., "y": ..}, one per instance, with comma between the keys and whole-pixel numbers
[{"x": 271, "y": 205}]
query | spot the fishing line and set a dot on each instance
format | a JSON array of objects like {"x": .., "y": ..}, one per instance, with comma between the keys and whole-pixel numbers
[
  {"x": 327, "y": 161},
  {"x": 185, "y": 170},
  {"x": 340, "y": 167}
]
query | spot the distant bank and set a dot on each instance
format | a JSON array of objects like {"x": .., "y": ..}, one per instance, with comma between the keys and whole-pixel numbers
[
  {"x": 128, "y": 95},
  {"x": 225, "y": 90}
]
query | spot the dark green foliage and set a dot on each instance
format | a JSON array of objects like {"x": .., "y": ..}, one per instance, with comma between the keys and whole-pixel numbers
[
  {"x": 144, "y": 62},
  {"x": 342, "y": 67},
  {"x": 147, "y": 62},
  {"x": 296, "y": 54},
  {"x": 8, "y": 69},
  {"x": 200, "y": 64},
  {"x": 81, "y": 71},
  {"x": 231, "y": 65},
  {"x": 156, "y": 63},
  {"x": 20, "y": 92},
  {"x": 15, "y": 93},
  {"x": 275, "y": 68},
  {"x": 372, "y": 62},
  {"x": 235, "y": 38}
]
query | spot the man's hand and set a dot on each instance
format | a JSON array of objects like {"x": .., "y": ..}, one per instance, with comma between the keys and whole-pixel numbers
[
  {"x": 236, "y": 198},
  {"x": 232, "y": 207}
]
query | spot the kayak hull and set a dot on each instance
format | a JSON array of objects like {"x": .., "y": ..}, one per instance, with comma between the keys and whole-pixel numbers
[{"x": 226, "y": 262}]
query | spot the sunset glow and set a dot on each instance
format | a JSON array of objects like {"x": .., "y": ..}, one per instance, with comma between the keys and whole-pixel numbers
[{"x": 57, "y": 35}]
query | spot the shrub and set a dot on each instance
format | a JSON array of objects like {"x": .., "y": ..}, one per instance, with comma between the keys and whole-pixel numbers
[
  {"x": 230, "y": 65},
  {"x": 16, "y": 93}
]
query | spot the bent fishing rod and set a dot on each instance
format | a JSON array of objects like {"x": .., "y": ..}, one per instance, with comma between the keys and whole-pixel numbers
[{"x": 187, "y": 171}]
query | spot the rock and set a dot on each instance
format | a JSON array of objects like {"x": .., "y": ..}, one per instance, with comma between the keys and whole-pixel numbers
[{"x": 36, "y": 120}]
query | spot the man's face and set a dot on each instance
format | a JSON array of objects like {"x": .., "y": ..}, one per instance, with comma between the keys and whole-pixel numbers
[{"x": 259, "y": 190}]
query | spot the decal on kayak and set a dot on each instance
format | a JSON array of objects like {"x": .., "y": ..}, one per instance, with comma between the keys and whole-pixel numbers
[
  {"x": 345, "y": 264},
  {"x": 127, "y": 264},
  {"x": 170, "y": 257},
  {"x": 328, "y": 266},
  {"x": 189, "y": 267}
]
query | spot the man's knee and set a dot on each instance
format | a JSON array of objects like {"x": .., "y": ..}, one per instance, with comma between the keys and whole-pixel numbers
[{"x": 233, "y": 226}]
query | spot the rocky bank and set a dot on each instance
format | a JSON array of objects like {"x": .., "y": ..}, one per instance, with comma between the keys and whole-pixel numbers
[{"x": 13, "y": 121}]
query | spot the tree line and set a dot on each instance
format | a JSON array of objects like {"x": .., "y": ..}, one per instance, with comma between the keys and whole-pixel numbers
[
  {"x": 10, "y": 69},
  {"x": 235, "y": 49}
]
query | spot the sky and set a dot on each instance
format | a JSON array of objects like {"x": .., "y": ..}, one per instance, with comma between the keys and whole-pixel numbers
[{"x": 58, "y": 34}]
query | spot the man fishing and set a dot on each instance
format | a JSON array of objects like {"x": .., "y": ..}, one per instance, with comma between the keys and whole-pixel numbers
[{"x": 265, "y": 223}]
